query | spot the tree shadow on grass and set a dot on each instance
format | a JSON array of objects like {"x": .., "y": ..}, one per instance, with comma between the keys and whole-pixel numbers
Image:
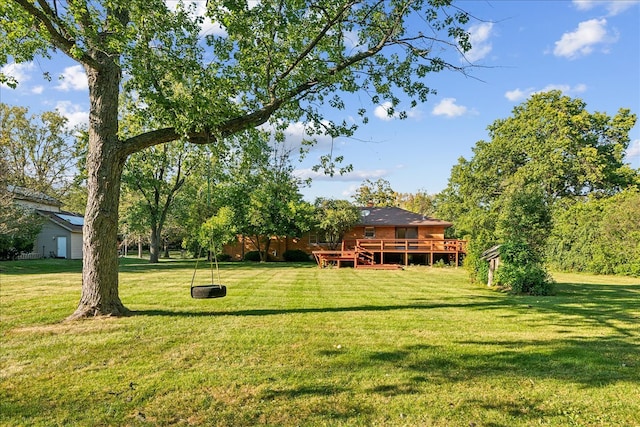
[
  {"x": 614, "y": 306},
  {"x": 134, "y": 265},
  {"x": 41, "y": 266},
  {"x": 306, "y": 310}
]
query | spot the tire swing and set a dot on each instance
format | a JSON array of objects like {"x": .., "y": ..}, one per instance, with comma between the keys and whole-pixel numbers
[{"x": 211, "y": 290}]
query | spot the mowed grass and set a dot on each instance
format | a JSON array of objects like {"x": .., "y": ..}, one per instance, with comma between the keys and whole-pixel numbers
[{"x": 293, "y": 345}]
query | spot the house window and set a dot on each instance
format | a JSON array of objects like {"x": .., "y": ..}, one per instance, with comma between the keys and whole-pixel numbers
[
  {"x": 318, "y": 237},
  {"x": 406, "y": 232},
  {"x": 369, "y": 232},
  {"x": 313, "y": 238}
]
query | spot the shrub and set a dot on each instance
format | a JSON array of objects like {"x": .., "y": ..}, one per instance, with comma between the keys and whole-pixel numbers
[
  {"x": 522, "y": 271},
  {"x": 439, "y": 263},
  {"x": 252, "y": 256},
  {"x": 296, "y": 255},
  {"x": 223, "y": 257},
  {"x": 477, "y": 267}
]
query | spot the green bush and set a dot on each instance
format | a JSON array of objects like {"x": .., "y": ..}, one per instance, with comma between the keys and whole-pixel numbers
[
  {"x": 223, "y": 257},
  {"x": 477, "y": 267},
  {"x": 522, "y": 271},
  {"x": 252, "y": 256},
  {"x": 296, "y": 255}
]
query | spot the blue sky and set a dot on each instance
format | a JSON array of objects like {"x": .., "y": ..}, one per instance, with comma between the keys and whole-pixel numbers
[{"x": 587, "y": 49}]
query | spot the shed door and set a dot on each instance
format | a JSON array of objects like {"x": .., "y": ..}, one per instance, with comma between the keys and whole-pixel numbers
[{"x": 62, "y": 247}]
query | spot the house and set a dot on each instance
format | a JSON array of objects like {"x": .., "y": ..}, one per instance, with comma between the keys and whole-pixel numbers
[
  {"x": 61, "y": 233},
  {"x": 388, "y": 237},
  {"x": 384, "y": 237}
]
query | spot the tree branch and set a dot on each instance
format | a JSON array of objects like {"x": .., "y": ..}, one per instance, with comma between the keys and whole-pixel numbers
[{"x": 60, "y": 36}]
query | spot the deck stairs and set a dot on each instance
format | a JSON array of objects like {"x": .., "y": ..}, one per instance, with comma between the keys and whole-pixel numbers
[{"x": 364, "y": 256}]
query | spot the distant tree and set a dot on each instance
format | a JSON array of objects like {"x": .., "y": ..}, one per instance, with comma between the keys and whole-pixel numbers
[
  {"x": 378, "y": 193},
  {"x": 551, "y": 149},
  {"x": 157, "y": 174},
  {"x": 334, "y": 218},
  {"x": 274, "y": 206},
  {"x": 523, "y": 216},
  {"x": 39, "y": 150},
  {"x": 597, "y": 235},
  {"x": 421, "y": 202},
  {"x": 218, "y": 230},
  {"x": 75, "y": 198}
]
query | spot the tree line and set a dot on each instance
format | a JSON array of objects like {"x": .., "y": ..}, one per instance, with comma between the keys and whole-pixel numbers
[
  {"x": 173, "y": 193},
  {"x": 552, "y": 187},
  {"x": 551, "y": 183}
]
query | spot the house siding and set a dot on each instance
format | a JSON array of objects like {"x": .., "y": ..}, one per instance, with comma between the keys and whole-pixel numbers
[
  {"x": 47, "y": 243},
  {"x": 277, "y": 247},
  {"x": 280, "y": 245},
  {"x": 389, "y": 232},
  {"x": 76, "y": 246}
]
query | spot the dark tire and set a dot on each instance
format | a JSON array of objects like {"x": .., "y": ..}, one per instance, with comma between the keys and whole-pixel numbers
[{"x": 208, "y": 291}]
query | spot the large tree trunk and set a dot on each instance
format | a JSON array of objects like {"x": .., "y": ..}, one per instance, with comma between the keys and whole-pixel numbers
[
  {"x": 154, "y": 245},
  {"x": 264, "y": 256},
  {"x": 105, "y": 161},
  {"x": 166, "y": 255}
]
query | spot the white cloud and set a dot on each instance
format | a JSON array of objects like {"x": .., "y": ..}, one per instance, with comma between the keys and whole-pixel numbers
[
  {"x": 20, "y": 72},
  {"x": 634, "y": 149},
  {"x": 73, "y": 78},
  {"x": 73, "y": 113},
  {"x": 447, "y": 107},
  {"x": 567, "y": 89},
  {"x": 617, "y": 7},
  {"x": 479, "y": 36},
  {"x": 200, "y": 8},
  {"x": 518, "y": 94},
  {"x": 613, "y": 7},
  {"x": 583, "y": 39},
  {"x": 359, "y": 175},
  {"x": 37, "y": 90},
  {"x": 351, "y": 40},
  {"x": 296, "y": 132},
  {"x": 382, "y": 112}
]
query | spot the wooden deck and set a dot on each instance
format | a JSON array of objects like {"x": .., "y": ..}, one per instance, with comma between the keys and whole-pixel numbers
[{"x": 392, "y": 253}]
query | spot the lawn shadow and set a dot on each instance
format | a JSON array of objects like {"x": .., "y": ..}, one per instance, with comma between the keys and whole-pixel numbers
[
  {"x": 614, "y": 306},
  {"x": 592, "y": 362},
  {"x": 40, "y": 266},
  {"x": 134, "y": 265},
  {"x": 303, "y": 310}
]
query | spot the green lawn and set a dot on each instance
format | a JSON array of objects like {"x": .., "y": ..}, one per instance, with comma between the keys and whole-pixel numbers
[{"x": 296, "y": 345}]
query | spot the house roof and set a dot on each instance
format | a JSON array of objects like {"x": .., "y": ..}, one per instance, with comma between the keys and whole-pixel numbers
[
  {"x": 23, "y": 193},
  {"x": 391, "y": 216},
  {"x": 492, "y": 253},
  {"x": 67, "y": 220}
]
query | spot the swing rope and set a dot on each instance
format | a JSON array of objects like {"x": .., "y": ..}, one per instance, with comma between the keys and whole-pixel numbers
[
  {"x": 213, "y": 261},
  {"x": 213, "y": 290}
]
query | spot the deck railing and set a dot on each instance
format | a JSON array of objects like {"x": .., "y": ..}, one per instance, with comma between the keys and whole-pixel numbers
[{"x": 407, "y": 245}]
